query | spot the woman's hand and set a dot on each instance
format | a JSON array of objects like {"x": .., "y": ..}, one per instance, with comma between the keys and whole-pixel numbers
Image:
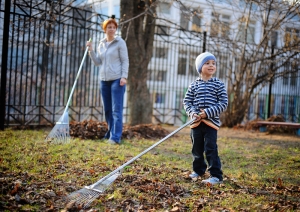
[
  {"x": 90, "y": 45},
  {"x": 123, "y": 81}
]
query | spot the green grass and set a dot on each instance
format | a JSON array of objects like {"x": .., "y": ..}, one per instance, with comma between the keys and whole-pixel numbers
[{"x": 259, "y": 175}]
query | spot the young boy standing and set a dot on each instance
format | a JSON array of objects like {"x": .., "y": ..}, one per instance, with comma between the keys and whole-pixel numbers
[{"x": 204, "y": 101}]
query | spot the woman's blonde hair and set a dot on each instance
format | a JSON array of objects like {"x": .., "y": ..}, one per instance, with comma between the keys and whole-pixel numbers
[{"x": 108, "y": 21}]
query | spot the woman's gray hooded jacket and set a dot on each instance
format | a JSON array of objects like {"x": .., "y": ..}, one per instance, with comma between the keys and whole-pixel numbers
[{"x": 113, "y": 60}]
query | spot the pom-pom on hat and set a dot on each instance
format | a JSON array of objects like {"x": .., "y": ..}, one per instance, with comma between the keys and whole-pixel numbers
[{"x": 203, "y": 58}]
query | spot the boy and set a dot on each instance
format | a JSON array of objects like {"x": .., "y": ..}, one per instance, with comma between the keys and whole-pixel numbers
[{"x": 205, "y": 99}]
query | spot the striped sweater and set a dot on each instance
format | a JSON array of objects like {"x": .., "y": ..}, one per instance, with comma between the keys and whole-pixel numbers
[{"x": 209, "y": 95}]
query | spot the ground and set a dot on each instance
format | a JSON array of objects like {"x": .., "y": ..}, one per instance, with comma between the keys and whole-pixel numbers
[{"x": 20, "y": 189}]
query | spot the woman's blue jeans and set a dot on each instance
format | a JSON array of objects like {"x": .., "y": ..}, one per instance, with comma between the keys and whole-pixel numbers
[
  {"x": 112, "y": 97},
  {"x": 204, "y": 139}
]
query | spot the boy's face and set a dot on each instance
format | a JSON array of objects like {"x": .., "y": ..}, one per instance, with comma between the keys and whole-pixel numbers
[{"x": 209, "y": 68}]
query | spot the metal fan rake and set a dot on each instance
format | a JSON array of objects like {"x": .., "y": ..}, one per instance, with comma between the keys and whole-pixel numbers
[
  {"x": 61, "y": 131},
  {"x": 85, "y": 196},
  {"x": 60, "y": 134}
]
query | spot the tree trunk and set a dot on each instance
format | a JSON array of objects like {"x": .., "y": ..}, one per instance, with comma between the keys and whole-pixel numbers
[
  {"x": 237, "y": 107},
  {"x": 44, "y": 67},
  {"x": 139, "y": 35}
]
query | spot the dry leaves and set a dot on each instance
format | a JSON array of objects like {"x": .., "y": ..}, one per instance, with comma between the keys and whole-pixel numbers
[
  {"x": 20, "y": 189},
  {"x": 96, "y": 130}
]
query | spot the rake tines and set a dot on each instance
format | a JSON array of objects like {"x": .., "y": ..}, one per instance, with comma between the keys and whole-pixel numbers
[
  {"x": 60, "y": 133},
  {"x": 85, "y": 196}
]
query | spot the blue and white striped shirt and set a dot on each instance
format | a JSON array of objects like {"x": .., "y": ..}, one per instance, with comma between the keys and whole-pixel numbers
[{"x": 209, "y": 95}]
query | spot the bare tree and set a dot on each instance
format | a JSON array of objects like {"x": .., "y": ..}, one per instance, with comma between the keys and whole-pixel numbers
[
  {"x": 254, "y": 64},
  {"x": 138, "y": 31}
]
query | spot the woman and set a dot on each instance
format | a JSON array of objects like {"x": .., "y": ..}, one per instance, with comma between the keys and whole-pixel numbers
[{"x": 112, "y": 57}]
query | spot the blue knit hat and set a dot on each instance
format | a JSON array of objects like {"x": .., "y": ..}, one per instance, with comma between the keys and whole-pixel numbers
[{"x": 203, "y": 58}]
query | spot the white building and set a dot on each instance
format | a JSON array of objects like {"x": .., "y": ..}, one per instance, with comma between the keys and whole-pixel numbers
[{"x": 172, "y": 66}]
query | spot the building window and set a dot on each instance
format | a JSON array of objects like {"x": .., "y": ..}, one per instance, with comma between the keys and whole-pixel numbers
[
  {"x": 274, "y": 38},
  {"x": 220, "y": 25},
  {"x": 260, "y": 107},
  {"x": 285, "y": 79},
  {"x": 179, "y": 98},
  {"x": 196, "y": 21},
  {"x": 270, "y": 36},
  {"x": 250, "y": 31},
  {"x": 192, "y": 67},
  {"x": 184, "y": 18},
  {"x": 159, "y": 98},
  {"x": 287, "y": 67},
  {"x": 283, "y": 105},
  {"x": 182, "y": 65},
  {"x": 294, "y": 78},
  {"x": 160, "y": 52},
  {"x": 157, "y": 75},
  {"x": 162, "y": 30},
  {"x": 186, "y": 63},
  {"x": 222, "y": 66},
  {"x": 291, "y": 36},
  {"x": 164, "y": 7},
  {"x": 193, "y": 16},
  {"x": 290, "y": 78}
]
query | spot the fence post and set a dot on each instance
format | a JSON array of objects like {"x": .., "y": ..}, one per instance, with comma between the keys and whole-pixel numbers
[
  {"x": 204, "y": 42},
  {"x": 4, "y": 63}
]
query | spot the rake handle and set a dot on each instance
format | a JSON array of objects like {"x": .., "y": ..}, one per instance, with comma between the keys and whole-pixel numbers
[
  {"x": 141, "y": 154},
  {"x": 76, "y": 79}
]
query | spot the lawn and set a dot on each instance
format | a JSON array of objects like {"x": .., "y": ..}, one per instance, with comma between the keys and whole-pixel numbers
[{"x": 261, "y": 173}]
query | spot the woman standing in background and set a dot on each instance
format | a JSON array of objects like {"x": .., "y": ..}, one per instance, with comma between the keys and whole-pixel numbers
[{"x": 112, "y": 57}]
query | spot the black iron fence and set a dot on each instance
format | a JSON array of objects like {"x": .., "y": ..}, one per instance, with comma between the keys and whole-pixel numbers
[{"x": 45, "y": 45}]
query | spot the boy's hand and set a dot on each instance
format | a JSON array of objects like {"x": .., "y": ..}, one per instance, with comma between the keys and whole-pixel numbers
[
  {"x": 196, "y": 117},
  {"x": 202, "y": 114}
]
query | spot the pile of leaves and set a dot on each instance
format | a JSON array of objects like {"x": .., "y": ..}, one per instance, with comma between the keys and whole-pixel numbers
[{"x": 90, "y": 129}]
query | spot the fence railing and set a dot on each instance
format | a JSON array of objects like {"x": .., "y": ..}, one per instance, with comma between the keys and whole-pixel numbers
[{"x": 45, "y": 48}]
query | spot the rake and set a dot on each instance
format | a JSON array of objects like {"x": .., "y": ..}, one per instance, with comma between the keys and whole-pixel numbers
[
  {"x": 60, "y": 134},
  {"x": 85, "y": 196}
]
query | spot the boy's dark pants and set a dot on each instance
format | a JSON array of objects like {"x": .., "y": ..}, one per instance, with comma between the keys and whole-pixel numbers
[{"x": 204, "y": 139}]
